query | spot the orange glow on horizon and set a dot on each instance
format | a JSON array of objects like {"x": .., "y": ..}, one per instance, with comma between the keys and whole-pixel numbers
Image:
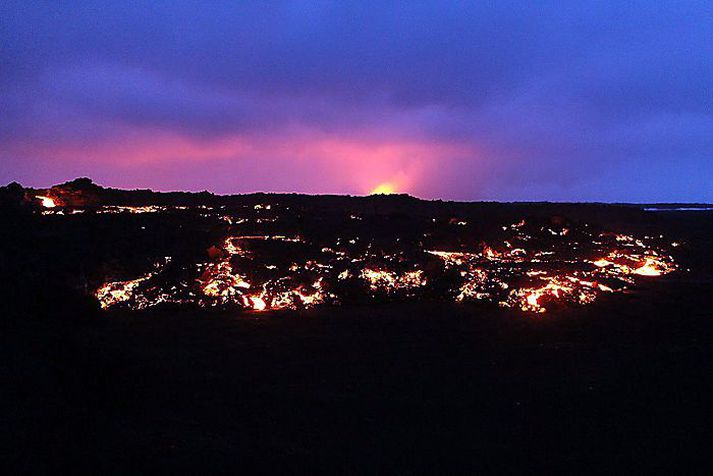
[{"x": 383, "y": 189}]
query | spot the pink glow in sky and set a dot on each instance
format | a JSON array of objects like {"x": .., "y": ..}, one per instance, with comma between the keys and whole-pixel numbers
[
  {"x": 310, "y": 163},
  {"x": 582, "y": 101}
]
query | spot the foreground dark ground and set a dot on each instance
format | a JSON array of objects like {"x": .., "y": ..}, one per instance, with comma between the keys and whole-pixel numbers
[
  {"x": 626, "y": 385},
  {"x": 623, "y": 384}
]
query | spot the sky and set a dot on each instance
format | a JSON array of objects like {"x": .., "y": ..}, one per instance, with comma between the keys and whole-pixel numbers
[{"x": 512, "y": 100}]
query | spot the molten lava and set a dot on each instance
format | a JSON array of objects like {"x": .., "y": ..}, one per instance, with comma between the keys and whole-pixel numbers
[
  {"x": 47, "y": 202},
  {"x": 651, "y": 267},
  {"x": 526, "y": 266},
  {"x": 258, "y": 303}
]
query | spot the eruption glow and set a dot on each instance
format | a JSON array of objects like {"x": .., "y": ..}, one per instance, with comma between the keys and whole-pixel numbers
[{"x": 383, "y": 189}]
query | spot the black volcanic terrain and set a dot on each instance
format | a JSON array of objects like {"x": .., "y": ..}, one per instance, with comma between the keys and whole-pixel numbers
[{"x": 194, "y": 332}]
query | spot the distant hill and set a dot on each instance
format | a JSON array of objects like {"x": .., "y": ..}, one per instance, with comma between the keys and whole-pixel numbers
[{"x": 83, "y": 192}]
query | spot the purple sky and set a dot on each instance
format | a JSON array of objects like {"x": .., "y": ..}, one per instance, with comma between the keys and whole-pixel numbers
[{"x": 600, "y": 101}]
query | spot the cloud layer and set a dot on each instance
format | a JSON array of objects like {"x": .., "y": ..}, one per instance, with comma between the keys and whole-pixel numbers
[{"x": 512, "y": 101}]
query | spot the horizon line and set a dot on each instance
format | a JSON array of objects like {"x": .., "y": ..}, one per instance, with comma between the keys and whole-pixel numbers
[{"x": 348, "y": 195}]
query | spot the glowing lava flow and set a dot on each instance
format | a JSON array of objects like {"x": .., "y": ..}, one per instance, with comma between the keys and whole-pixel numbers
[
  {"x": 120, "y": 291},
  {"x": 529, "y": 267},
  {"x": 258, "y": 303},
  {"x": 390, "y": 281},
  {"x": 47, "y": 202},
  {"x": 223, "y": 286},
  {"x": 221, "y": 283},
  {"x": 557, "y": 289},
  {"x": 651, "y": 267},
  {"x": 491, "y": 275}
]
